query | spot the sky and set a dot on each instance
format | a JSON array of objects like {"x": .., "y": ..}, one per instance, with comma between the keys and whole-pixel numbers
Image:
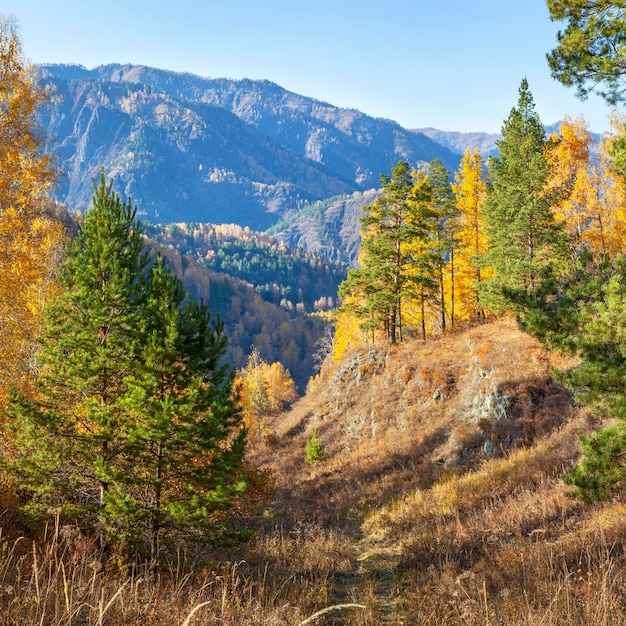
[{"x": 448, "y": 64}]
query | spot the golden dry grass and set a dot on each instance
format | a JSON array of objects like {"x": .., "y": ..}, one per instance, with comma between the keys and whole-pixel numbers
[{"x": 440, "y": 502}]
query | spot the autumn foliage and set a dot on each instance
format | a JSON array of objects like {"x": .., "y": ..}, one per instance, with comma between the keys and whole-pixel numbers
[
  {"x": 506, "y": 224},
  {"x": 30, "y": 238},
  {"x": 263, "y": 391}
]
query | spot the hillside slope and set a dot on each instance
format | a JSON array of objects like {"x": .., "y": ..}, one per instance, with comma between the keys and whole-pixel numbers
[
  {"x": 440, "y": 500},
  {"x": 331, "y": 228},
  {"x": 439, "y": 503}
]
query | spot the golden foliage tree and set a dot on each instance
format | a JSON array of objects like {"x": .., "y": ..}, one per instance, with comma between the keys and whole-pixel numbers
[
  {"x": 30, "y": 240},
  {"x": 572, "y": 180},
  {"x": 348, "y": 333},
  {"x": 606, "y": 231},
  {"x": 470, "y": 191},
  {"x": 590, "y": 193},
  {"x": 263, "y": 390}
]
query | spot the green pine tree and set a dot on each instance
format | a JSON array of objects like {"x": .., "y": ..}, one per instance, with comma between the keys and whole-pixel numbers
[
  {"x": 132, "y": 428},
  {"x": 389, "y": 275},
  {"x": 443, "y": 210},
  {"x": 584, "y": 313},
  {"x": 315, "y": 449},
  {"x": 522, "y": 235}
]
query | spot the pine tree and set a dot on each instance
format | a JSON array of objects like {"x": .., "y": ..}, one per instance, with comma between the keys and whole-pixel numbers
[
  {"x": 183, "y": 470},
  {"x": 380, "y": 287},
  {"x": 523, "y": 236},
  {"x": 590, "y": 50},
  {"x": 443, "y": 235},
  {"x": 584, "y": 313},
  {"x": 428, "y": 246},
  {"x": 132, "y": 428}
]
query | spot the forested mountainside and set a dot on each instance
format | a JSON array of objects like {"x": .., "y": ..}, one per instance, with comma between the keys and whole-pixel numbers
[
  {"x": 269, "y": 296},
  {"x": 292, "y": 278},
  {"x": 215, "y": 150},
  {"x": 331, "y": 227},
  {"x": 280, "y": 331}
]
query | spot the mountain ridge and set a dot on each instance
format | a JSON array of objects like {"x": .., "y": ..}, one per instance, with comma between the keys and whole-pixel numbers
[{"x": 188, "y": 148}]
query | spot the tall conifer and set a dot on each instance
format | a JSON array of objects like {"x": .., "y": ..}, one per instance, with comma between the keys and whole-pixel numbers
[
  {"x": 132, "y": 429},
  {"x": 523, "y": 236},
  {"x": 381, "y": 285}
]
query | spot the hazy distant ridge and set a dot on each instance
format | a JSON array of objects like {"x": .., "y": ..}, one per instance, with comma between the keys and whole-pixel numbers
[{"x": 458, "y": 142}]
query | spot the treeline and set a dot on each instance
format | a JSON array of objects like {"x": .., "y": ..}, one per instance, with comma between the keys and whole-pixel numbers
[
  {"x": 294, "y": 279},
  {"x": 250, "y": 322},
  {"x": 540, "y": 231}
]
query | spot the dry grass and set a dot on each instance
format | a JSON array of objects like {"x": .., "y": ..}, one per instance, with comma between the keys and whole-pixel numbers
[
  {"x": 59, "y": 580},
  {"x": 439, "y": 503},
  {"x": 444, "y": 462}
]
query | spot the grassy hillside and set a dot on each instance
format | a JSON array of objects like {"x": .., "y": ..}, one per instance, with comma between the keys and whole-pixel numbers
[{"x": 440, "y": 501}]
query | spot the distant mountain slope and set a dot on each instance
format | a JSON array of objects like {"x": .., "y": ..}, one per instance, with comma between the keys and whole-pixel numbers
[
  {"x": 215, "y": 150},
  {"x": 458, "y": 142},
  {"x": 297, "y": 280},
  {"x": 249, "y": 319},
  {"x": 179, "y": 161},
  {"x": 331, "y": 228}
]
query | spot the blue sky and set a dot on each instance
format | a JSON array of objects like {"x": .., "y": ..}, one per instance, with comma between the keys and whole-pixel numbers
[{"x": 451, "y": 64}]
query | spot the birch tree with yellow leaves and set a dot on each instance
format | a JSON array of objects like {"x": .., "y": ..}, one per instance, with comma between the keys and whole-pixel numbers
[
  {"x": 606, "y": 232},
  {"x": 572, "y": 181},
  {"x": 30, "y": 240}
]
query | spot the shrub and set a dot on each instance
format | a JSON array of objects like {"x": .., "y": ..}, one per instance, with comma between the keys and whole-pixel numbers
[{"x": 314, "y": 449}]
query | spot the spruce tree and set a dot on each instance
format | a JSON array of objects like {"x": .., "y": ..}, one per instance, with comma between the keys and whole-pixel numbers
[
  {"x": 523, "y": 237},
  {"x": 131, "y": 428}
]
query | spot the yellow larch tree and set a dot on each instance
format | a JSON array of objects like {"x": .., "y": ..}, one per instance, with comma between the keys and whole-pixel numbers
[
  {"x": 572, "y": 180},
  {"x": 470, "y": 191},
  {"x": 263, "y": 391},
  {"x": 30, "y": 239},
  {"x": 606, "y": 229},
  {"x": 589, "y": 194},
  {"x": 348, "y": 332}
]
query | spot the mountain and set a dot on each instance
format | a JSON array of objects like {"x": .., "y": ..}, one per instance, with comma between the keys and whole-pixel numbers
[
  {"x": 331, "y": 228},
  {"x": 187, "y": 148},
  {"x": 458, "y": 142}
]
